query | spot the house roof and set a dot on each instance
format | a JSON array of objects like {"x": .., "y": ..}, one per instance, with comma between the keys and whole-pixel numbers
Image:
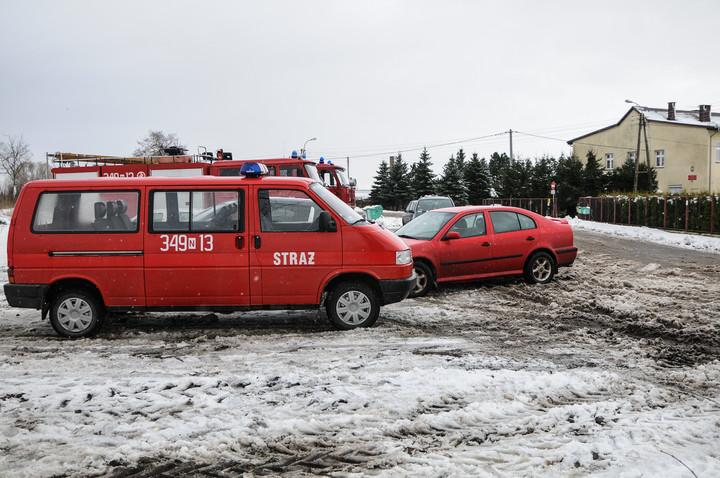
[{"x": 659, "y": 115}]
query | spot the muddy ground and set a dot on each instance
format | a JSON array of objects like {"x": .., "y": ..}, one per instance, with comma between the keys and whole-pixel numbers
[{"x": 646, "y": 313}]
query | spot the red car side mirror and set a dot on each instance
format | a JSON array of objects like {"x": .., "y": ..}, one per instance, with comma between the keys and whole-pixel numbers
[{"x": 452, "y": 235}]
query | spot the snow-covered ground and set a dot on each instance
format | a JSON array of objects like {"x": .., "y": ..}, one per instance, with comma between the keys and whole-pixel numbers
[{"x": 611, "y": 370}]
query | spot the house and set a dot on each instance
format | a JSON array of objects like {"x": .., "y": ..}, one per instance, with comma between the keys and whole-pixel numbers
[{"x": 682, "y": 146}]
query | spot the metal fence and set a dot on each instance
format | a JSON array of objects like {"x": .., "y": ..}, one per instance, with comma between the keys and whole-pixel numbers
[
  {"x": 683, "y": 213},
  {"x": 542, "y": 206}
]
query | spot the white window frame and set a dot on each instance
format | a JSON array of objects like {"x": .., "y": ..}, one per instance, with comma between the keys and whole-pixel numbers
[
  {"x": 659, "y": 158},
  {"x": 609, "y": 160},
  {"x": 717, "y": 151}
]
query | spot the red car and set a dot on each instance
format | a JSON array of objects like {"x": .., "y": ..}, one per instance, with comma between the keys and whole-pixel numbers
[{"x": 474, "y": 242}]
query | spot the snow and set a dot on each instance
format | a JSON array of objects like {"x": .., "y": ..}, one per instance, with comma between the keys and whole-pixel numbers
[
  {"x": 655, "y": 236},
  {"x": 461, "y": 383}
]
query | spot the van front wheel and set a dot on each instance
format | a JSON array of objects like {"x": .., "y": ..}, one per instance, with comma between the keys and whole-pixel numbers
[
  {"x": 76, "y": 313},
  {"x": 351, "y": 305}
]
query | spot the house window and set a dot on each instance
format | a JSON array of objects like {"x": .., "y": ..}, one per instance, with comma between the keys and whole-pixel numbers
[
  {"x": 676, "y": 188},
  {"x": 660, "y": 158},
  {"x": 717, "y": 151},
  {"x": 632, "y": 156},
  {"x": 609, "y": 159}
]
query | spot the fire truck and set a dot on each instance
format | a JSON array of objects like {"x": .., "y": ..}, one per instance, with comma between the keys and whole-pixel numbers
[{"x": 176, "y": 163}]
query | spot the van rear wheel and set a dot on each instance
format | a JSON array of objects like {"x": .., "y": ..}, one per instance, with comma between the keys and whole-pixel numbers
[
  {"x": 351, "y": 305},
  {"x": 76, "y": 313}
]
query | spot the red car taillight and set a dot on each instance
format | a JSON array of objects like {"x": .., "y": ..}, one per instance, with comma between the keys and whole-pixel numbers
[{"x": 11, "y": 274}]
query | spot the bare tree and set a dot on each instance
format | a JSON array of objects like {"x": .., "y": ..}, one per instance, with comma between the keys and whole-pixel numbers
[
  {"x": 38, "y": 171},
  {"x": 155, "y": 144},
  {"x": 15, "y": 161}
]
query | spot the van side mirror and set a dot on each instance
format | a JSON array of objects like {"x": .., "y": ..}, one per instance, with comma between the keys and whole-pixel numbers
[
  {"x": 326, "y": 222},
  {"x": 452, "y": 235},
  {"x": 353, "y": 182}
]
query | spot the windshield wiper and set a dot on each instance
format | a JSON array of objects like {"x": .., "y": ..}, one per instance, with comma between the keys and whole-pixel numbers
[
  {"x": 362, "y": 219},
  {"x": 405, "y": 236}
]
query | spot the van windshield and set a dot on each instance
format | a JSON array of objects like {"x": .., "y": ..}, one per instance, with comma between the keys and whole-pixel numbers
[
  {"x": 343, "y": 210},
  {"x": 312, "y": 171}
]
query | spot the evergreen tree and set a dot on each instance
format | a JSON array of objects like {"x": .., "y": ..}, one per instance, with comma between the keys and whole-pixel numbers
[
  {"x": 422, "y": 176},
  {"x": 541, "y": 177},
  {"x": 516, "y": 179},
  {"x": 595, "y": 180},
  {"x": 477, "y": 180},
  {"x": 622, "y": 179},
  {"x": 498, "y": 166},
  {"x": 452, "y": 183},
  {"x": 399, "y": 184},
  {"x": 568, "y": 185},
  {"x": 380, "y": 193},
  {"x": 460, "y": 160}
]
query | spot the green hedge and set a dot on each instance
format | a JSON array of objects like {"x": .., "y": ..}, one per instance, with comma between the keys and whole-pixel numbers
[{"x": 702, "y": 213}]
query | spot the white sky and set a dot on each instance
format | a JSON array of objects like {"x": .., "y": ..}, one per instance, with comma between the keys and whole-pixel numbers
[{"x": 367, "y": 78}]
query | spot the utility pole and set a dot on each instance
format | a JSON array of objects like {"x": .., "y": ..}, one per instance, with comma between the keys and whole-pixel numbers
[
  {"x": 511, "y": 152},
  {"x": 647, "y": 148},
  {"x": 637, "y": 153}
]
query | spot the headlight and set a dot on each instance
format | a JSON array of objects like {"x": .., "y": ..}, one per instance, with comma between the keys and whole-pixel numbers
[{"x": 403, "y": 257}]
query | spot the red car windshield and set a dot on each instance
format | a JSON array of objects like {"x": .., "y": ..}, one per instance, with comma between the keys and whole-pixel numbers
[{"x": 426, "y": 226}]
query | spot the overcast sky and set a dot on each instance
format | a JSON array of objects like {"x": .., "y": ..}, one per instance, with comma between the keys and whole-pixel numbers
[{"x": 368, "y": 78}]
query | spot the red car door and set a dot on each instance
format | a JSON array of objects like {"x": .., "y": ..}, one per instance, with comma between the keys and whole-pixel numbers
[
  {"x": 470, "y": 255},
  {"x": 515, "y": 235}
]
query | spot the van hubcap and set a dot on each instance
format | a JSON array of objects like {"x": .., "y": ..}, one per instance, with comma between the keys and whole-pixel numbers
[
  {"x": 75, "y": 315},
  {"x": 353, "y": 307}
]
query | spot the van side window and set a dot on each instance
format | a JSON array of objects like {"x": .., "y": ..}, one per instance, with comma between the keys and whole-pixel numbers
[
  {"x": 86, "y": 212},
  {"x": 197, "y": 211},
  {"x": 288, "y": 210},
  {"x": 293, "y": 171}
]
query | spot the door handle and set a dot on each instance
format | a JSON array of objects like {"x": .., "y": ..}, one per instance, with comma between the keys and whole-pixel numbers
[
  {"x": 258, "y": 242},
  {"x": 239, "y": 242},
  {"x": 485, "y": 244},
  {"x": 530, "y": 238}
]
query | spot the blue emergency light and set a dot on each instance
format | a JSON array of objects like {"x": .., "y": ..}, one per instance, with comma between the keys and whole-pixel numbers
[
  {"x": 329, "y": 162},
  {"x": 322, "y": 160},
  {"x": 253, "y": 170},
  {"x": 294, "y": 154}
]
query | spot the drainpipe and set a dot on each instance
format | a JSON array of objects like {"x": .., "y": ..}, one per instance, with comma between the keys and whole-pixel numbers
[{"x": 710, "y": 190}]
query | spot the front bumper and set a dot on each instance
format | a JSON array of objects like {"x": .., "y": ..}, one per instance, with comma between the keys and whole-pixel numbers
[
  {"x": 395, "y": 290},
  {"x": 29, "y": 296}
]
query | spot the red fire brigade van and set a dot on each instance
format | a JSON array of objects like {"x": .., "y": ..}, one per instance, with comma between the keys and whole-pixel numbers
[{"x": 80, "y": 248}]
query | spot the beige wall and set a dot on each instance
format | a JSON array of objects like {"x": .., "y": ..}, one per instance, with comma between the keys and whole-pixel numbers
[{"x": 687, "y": 152}]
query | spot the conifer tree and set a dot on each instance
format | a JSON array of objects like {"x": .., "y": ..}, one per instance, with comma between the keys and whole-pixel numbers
[
  {"x": 380, "y": 192},
  {"x": 568, "y": 185},
  {"x": 498, "y": 166},
  {"x": 452, "y": 183},
  {"x": 593, "y": 175},
  {"x": 399, "y": 184},
  {"x": 541, "y": 177},
  {"x": 422, "y": 177},
  {"x": 460, "y": 160},
  {"x": 477, "y": 180}
]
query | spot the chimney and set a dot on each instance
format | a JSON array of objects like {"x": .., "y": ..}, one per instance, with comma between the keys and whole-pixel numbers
[
  {"x": 671, "y": 111},
  {"x": 705, "y": 113}
]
